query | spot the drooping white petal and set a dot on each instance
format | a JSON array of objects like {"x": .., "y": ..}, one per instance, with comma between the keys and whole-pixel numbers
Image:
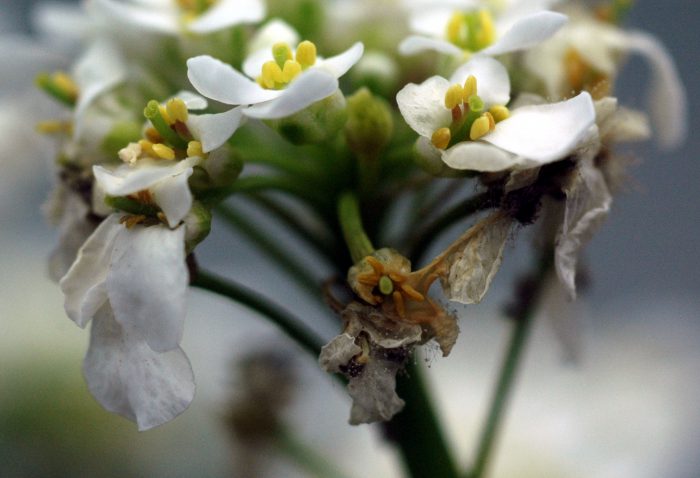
[
  {"x": 423, "y": 106},
  {"x": 219, "y": 81},
  {"x": 99, "y": 70},
  {"x": 213, "y": 130},
  {"x": 478, "y": 156},
  {"x": 311, "y": 86},
  {"x": 493, "y": 82},
  {"x": 339, "y": 64},
  {"x": 474, "y": 259},
  {"x": 147, "y": 284},
  {"x": 667, "y": 98},
  {"x": 127, "y": 179},
  {"x": 587, "y": 205},
  {"x": 545, "y": 133},
  {"x": 415, "y": 44},
  {"x": 84, "y": 285},
  {"x": 162, "y": 20},
  {"x": 527, "y": 32},
  {"x": 226, "y": 13},
  {"x": 127, "y": 377},
  {"x": 174, "y": 197}
]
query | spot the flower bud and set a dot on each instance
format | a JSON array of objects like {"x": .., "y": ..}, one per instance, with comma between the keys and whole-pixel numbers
[
  {"x": 370, "y": 124},
  {"x": 197, "y": 226},
  {"x": 314, "y": 124}
]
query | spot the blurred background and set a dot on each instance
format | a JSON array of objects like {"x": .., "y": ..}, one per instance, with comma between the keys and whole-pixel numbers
[{"x": 627, "y": 407}]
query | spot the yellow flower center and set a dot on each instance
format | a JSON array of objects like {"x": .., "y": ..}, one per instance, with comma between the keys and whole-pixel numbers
[
  {"x": 471, "y": 31},
  {"x": 470, "y": 121},
  {"x": 276, "y": 74}
]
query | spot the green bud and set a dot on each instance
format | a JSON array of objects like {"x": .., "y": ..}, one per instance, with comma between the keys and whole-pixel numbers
[
  {"x": 370, "y": 124},
  {"x": 121, "y": 134},
  {"x": 314, "y": 124},
  {"x": 197, "y": 226},
  {"x": 223, "y": 166}
]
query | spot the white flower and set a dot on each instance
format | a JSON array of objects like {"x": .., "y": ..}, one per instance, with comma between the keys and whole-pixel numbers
[
  {"x": 276, "y": 86},
  {"x": 466, "y": 27},
  {"x": 470, "y": 128},
  {"x": 597, "y": 48},
  {"x": 169, "y": 16}
]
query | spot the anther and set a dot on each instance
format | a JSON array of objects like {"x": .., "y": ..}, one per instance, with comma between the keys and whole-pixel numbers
[
  {"x": 480, "y": 127},
  {"x": 469, "y": 88},
  {"x": 291, "y": 70},
  {"x": 306, "y": 54},
  {"x": 163, "y": 151},
  {"x": 454, "y": 96},
  {"x": 400, "y": 306},
  {"x": 271, "y": 74},
  {"x": 412, "y": 293},
  {"x": 177, "y": 110},
  {"x": 499, "y": 113},
  {"x": 441, "y": 138},
  {"x": 194, "y": 148}
]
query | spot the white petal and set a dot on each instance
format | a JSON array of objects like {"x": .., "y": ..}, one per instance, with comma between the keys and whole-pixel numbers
[
  {"x": 74, "y": 229},
  {"x": 101, "y": 68},
  {"x": 667, "y": 98},
  {"x": 431, "y": 21},
  {"x": 587, "y": 205},
  {"x": 475, "y": 258},
  {"x": 84, "y": 284},
  {"x": 493, "y": 83},
  {"x": 174, "y": 197},
  {"x": 219, "y": 81},
  {"x": 311, "y": 86},
  {"x": 127, "y": 179},
  {"x": 213, "y": 130},
  {"x": 274, "y": 31},
  {"x": 423, "y": 106},
  {"x": 252, "y": 66},
  {"x": 545, "y": 133},
  {"x": 226, "y": 13},
  {"x": 162, "y": 20},
  {"x": 339, "y": 64},
  {"x": 478, "y": 156},
  {"x": 147, "y": 284},
  {"x": 128, "y": 378},
  {"x": 414, "y": 44},
  {"x": 527, "y": 32}
]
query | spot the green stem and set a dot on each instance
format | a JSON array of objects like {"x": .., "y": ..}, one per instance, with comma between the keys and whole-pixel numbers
[
  {"x": 417, "y": 431},
  {"x": 308, "y": 459},
  {"x": 523, "y": 319},
  {"x": 429, "y": 233},
  {"x": 271, "y": 248},
  {"x": 351, "y": 223},
  {"x": 289, "y": 324}
]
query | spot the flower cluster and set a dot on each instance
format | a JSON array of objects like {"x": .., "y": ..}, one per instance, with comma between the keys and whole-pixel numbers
[{"x": 174, "y": 105}]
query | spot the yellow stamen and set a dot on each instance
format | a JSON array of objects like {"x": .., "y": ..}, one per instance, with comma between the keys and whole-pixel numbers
[
  {"x": 271, "y": 74},
  {"x": 492, "y": 122},
  {"x": 400, "y": 306},
  {"x": 65, "y": 83},
  {"x": 54, "y": 127},
  {"x": 153, "y": 135},
  {"x": 499, "y": 113},
  {"x": 164, "y": 113},
  {"x": 487, "y": 33},
  {"x": 376, "y": 265},
  {"x": 194, "y": 148},
  {"x": 147, "y": 147},
  {"x": 412, "y": 293},
  {"x": 177, "y": 110},
  {"x": 480, "y": 127},
  {"x": 163, "y": 151},
  {"x": 441, "y": 138},
  {"x": 454, "y": 96},
  {"x": 306, "y": 54},
  {"x": 469, "y": 88},
  {"x": 455, "y": 29},
  {"x": 291, "y": 70},
  {"x": 281, "y": 53}
]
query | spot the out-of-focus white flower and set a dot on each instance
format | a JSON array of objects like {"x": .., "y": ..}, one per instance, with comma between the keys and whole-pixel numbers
[
  {"x": 461, "y": 28},
  {"x": 590, "y": 48},
  {"x": 171, "y": 17},
  {"x": 470, "y": 128},
  {"x": 280, "y": 82}
]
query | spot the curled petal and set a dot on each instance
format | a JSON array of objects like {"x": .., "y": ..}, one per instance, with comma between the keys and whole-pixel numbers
[
  {"x": 339, "y": 64},
  {"x": 147, "y": 284},
  {"x": 422, "y": 106},
  {"x": 219, "y": 81},
  {"x": 415, "y": 44},
  {"x": 127, "y": 377},
  {"x": 478, "y": 156},
  {"x": 84, "y": 285},
  {"x": 545, "y": 133},
  {"x": 527, "y": 32},
  {"x": 174, "y": 197},
  {"x": 226, "y": 13},
  {"x": 213, "y": 130},
  {"x": 311, "y": 86},
  {"x": 128, "y": 179},
  {"x": 493, "y": 83}
]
